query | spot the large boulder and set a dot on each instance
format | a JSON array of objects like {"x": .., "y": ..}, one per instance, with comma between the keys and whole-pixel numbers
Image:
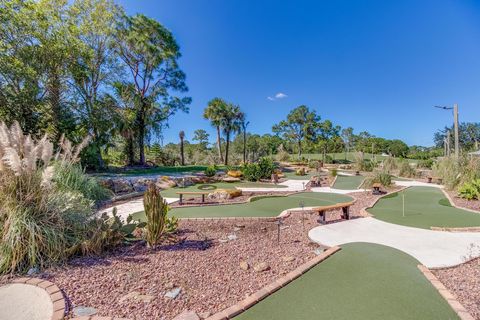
[{"x": 122, "y": 186}]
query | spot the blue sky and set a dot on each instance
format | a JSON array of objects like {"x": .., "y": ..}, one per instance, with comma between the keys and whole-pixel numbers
[{"x": 378, "y": 66}]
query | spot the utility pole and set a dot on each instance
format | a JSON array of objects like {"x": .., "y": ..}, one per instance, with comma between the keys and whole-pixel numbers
[{"x": 455, "y": 124}]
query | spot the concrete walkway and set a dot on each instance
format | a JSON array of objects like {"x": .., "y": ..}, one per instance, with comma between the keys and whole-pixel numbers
[
  {"x": 412, "y": 183},
  {"x": 291, "y": 186},
  {"x": 24, "y": 302},
  {"x": 127, "y": 208},
  {"x": 432, "y": 248},
  {"x": 337, "y": 191}
]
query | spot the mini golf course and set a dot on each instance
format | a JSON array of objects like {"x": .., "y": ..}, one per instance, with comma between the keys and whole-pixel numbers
[
  {"x": 268, "y": 206},
  {"x": 348, "y": 182},
  {"x": 425, "y": 207},
  {"x": 361, "y": 281},
  {"x": 172, "y": 192}
]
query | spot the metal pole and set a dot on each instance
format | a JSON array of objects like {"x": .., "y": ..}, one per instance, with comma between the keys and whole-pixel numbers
[{"x": 455, "y": 120}]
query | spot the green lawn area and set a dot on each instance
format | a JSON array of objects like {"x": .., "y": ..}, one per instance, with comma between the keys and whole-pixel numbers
[
  {"x": 425, "y": 207},
  {"x": 262, "y": 207},
  {"x": 361, "y": 281},
  {"x": 350, "y": 156},
  {"x": 348, "y": 182},
  {"x": 172, "y": 192},
  {"x": 290, "y": 175}
]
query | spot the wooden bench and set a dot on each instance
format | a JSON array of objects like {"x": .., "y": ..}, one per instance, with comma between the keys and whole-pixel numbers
[
  {"x": 345, "y": 206},
  {"x": 433, "y": 179},
  {"x": 193, "y": 193}
]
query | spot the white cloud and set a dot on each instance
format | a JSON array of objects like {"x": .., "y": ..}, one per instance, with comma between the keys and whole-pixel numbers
[{"x": 278, "y": 95}]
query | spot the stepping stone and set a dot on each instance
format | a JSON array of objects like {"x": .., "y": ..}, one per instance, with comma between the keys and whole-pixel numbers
[
  {"x": 82, "y": 311},
  {"x": 173, "y": 294},
  {"x": 261, "y": 267},
  {"x": 288, "y": 259},
  {"x": 244, "y": 265}
]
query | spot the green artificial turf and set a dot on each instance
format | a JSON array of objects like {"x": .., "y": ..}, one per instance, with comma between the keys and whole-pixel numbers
[
  {"x": 425, "y": 207},
  {"x": 263, "y": 207},
  {"x": 361, "y": 281},
  {"x": 348, "y": 182},
  {"x": 172, "y": 192}
]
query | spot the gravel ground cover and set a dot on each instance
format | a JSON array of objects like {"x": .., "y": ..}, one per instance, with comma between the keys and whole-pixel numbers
[
  {"x": 268, "y": 206},
  {"x": 361, "y": 281},
  {"x": 132, "y": 281},
  {"x": 469, "y": 204},
  {"x": 425, "y": 207},
  {"x": 464, "y": 282}
]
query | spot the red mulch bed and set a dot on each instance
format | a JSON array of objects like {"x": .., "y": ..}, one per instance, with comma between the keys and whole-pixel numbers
[
  {"x": 464, "y": 282},
  {"x": 207, "y": 270},
  {"x": 469, "y": 204}
]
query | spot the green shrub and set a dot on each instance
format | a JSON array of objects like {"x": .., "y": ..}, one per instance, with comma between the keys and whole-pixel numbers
[
  {"x": 427, "y": 163},
  {"x": 251, "y": 171},
  {"x": 333, "y": 172},
  {"x": 171, "y": 224},
  {"x": 328, "y": 159},
  {"x": 266, "y": 167},
  {"x": 406, "y": 170},
  {"x": 42, "y": 220},
  {"x": 470, "y": 190},
  {"x": 156, "y": 210},
  {"x": 390, "y": 164},
  {"x": 282, "y": 154},
  {"x": 300, "y": 172},
  {"x": 382, "y": 177},
  {"x": 314, "y": 164},
  {"x": 210, "y": 171}
]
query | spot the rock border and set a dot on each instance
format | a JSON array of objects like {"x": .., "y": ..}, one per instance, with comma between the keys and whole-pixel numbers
[
  {"x": 98, "y": 318},
  {"x": 261, "y": 294},
  {"x": 56, "y": 295},
  {"x": 459, "y": 309}
]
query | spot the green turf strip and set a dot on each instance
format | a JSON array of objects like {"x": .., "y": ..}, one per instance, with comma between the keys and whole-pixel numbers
[
  {"x": 348, "y": 182},
  {"x": 172, "y": 192},
  {"x": 264, "y": 207},
  {"x": 361, "y": 281},
  {"x": 425, "y": 207}
]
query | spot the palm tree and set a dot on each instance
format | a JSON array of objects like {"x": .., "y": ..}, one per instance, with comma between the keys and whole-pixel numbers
[
  {"x": 214, "y": 112},
  {"x": 244, "y": 125},
  {"x": 231, "y": 122},
  {"x": 181, "y": 135}
]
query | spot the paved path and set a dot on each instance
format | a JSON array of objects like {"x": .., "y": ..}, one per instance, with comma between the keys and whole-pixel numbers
[
  {"x": 338, "y": 191},
  {"x": 127, "y": 208},
  {"x": 431, "y": 248},
  {"x": 291, "y": 186},
  {"x": 24, "y": 302},
  {"x": 412, "y": 183}
]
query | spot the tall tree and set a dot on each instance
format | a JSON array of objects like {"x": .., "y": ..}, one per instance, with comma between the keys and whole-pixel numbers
[
  {"x": 181, "y": 135},
  {"x": 214, "y": 112},
  {"x": 230, "y": 123},
  {"x": 201, "y": 136},
  {"x": 150, "y": 53},
  {"x": 244, "y": 124},
  {"x": 93, "y": 67},
  {"x": 300, "y": 125},
  {"x": 347, "y": 136}
]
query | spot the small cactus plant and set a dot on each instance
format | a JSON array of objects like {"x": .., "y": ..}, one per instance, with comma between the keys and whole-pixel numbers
[{"x": 156, "y": 212}]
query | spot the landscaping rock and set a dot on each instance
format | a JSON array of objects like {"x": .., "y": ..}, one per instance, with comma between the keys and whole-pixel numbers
[
  {"x": 318, "y": 251},
  {"x": 32, "y": 271},
  {"x": 187, "y": 315},
  {"x": 232, "y": 237},
  {"x": 244, "y": 265},
  {"x": 122, "y": 186},
  {"x": 173, "y": 294},
  {"x": 82, "y": 311},
  {"x": 288, "y": 259},
  {"x": 260, "y": 267},
  {"x": 219, "y": 195},
  {"x": 204, "y": 315}
]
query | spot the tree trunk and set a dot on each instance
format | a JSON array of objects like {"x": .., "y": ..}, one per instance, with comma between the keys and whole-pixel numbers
[
  {"x": 130, "y": 151},
  {"x": 226, "y": 147},
  {"x": 181, "y": 152},
  {"x": 299, "y": 149},
  {"x": 141, "y": 133},
  {"x": 219, "y": 144},
  {"x": 244, "y": 145}
]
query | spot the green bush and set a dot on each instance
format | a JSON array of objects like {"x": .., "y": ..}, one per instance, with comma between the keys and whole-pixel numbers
[
  {"x": 43, "y": 217},
  {"x": 390, "y": 164},
  {"x": 470, "y": 190},
  {"x": 328, "y": 159},
  {"x": 382, "y": 177},
  {"x": 406, "y": 170},
  {"x": 333, "y": 172},
  {"x": 427, "y": 163},
  {"x": 263, "y": 169},
  {"x": 210, "y": 171}
]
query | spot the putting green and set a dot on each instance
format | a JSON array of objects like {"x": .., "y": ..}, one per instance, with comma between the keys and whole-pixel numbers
[
  {"x": 268, "y": 206},
  {"x": 361, "y": 281},
  {"x": 348, "y": 182},
  {"x": 425, "y": 207},
  {"x": 172, "y": 192}
]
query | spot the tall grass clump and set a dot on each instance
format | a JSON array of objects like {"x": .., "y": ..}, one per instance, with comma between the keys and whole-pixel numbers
[
  {"x": 156, "y": 210},
  {"x": 42, "y": 217},
  {"x": 382, "y": 177},
  {"x": 457, "y": 172}
]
